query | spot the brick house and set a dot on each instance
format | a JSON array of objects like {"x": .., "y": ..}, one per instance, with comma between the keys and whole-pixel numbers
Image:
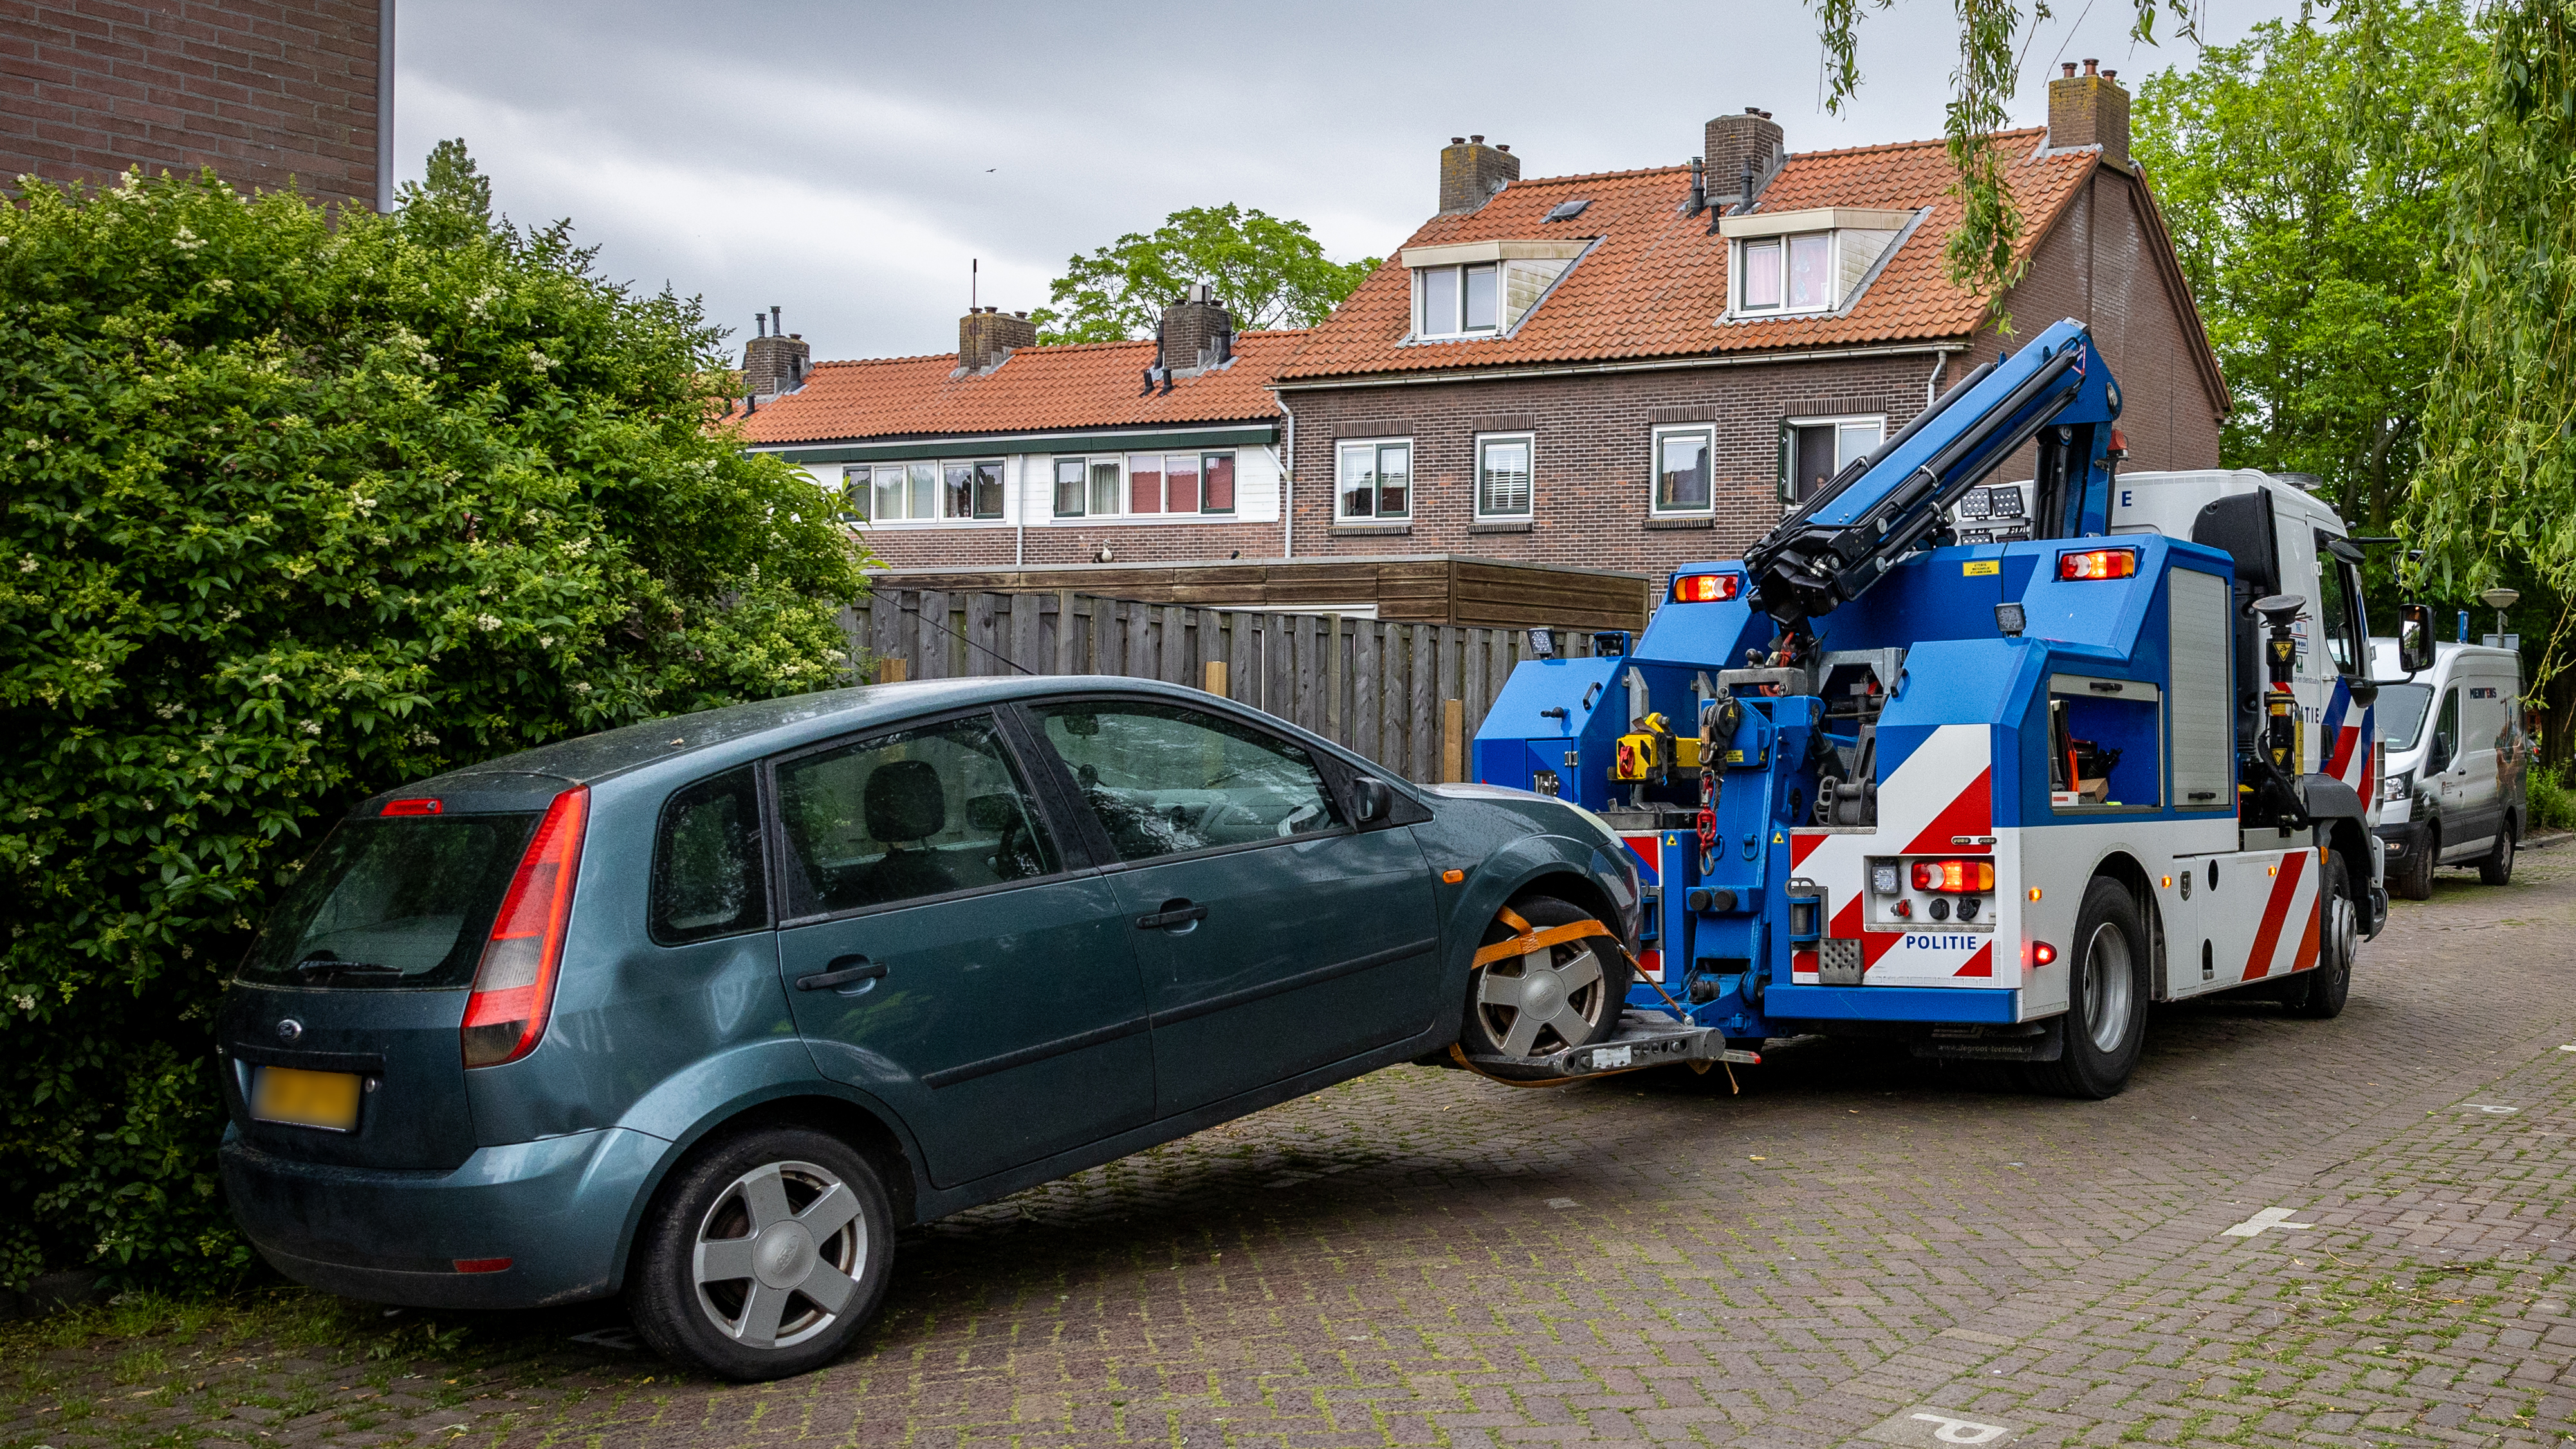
[
  {"x": 299, "y": 89},
  {"x": 1006, "y": 453},
  {"x": 1637, "y": 369}
]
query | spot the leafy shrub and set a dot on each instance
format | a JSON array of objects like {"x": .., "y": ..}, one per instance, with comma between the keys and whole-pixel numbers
[
  {"x": 297, "y": 508},
  {"x": 2553, "y": 805}
]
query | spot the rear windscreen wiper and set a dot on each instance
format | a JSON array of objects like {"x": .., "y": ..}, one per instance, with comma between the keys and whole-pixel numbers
[{"x": 324, "y": 968}]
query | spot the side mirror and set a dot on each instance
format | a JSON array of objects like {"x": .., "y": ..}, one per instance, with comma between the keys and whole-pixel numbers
[
  {"x": 2415, "y": 638},
  {"x": 1374, "y": 799}
]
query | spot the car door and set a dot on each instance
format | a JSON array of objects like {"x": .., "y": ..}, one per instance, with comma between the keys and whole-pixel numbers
[
  {"x": 944, "y": 949},
  {"x": 1274, "y": 937},
  {"x": 2444, "y": 760},
  {"x": 2485, "y": 736}
]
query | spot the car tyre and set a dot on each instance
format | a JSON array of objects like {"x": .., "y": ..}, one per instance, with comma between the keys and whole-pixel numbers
[
  {"x": 2105, "y": 1024},
  {"x": 1527, "y": 1007},
  {"x": 2496, "y": 868},
  {"x": 2417, "y": 883},
  {"x": 2319, "y": 993},
  {"x": 804, "y": 1219}
]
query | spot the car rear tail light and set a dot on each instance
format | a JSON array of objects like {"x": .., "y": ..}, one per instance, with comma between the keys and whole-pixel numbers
[
  {"x": 482, "y": 1265},
  {"x": 2041, "y": 953},
  {"x": 1705, "y": 588},
  {"x": 515, "y": 984},
  {"x": 1963, "y": 877},
  {"x": 419, "y": 806},
  {"x": 2099, "y": 563}
]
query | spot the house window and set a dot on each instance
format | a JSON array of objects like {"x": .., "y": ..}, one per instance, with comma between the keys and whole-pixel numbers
[
  {"x": 1375, "y": 481},
  {"x": 1503, "y": 477},
  {"x": 1814, "y": 450},
  {"x": 1682, "y": 469},
  {"x": 1154, "y": 483},
  {"x": 899, "y": 491},
  {"x": 1786, "y": 274},
  {"x": 1457, "y": 301}
]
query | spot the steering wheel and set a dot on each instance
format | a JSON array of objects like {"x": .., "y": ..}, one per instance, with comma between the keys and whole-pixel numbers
[
  {"x": 1228, "y": 822},
  {"x": 1299, "y": 816}
]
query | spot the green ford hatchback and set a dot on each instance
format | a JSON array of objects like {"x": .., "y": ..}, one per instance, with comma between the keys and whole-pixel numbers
[{"x": 703, "y": 1011}]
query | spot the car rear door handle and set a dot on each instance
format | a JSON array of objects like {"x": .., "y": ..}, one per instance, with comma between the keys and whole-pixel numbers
[
  {"x": 1173, "y": 913},
  {"x": 841, "y": 971}
]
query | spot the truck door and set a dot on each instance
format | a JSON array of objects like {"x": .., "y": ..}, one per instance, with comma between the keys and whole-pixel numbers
[
  {"x": 2444, "y": 768},
  {"x": 2485, "y": 741}
]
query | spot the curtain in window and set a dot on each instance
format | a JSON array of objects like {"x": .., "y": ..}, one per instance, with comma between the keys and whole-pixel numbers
[
  {"x": 988, "y": 488},
  {"x": 1439, "y": 300},
  {"x": 1068, "y": 487},
  {"x": 1181, "y": 483},
  {"x": 889, "y": 490},
  {"x": 1503, "y": 478},
  {"x": 1810, "y": 259},
  {"x": 1394, "y": 477},
  {"x": 959, "y": 496},
  {"x": 1359, "y": 481},
  {"x": 925, "y": 491},
  {"x": 1681, "y": 471},
  {"x": 1144, "y": 483},
  {"x": 1761, "y": 274},
  {"x": 1218, "y": 471},
  {"x": 1104, "y": 485}
]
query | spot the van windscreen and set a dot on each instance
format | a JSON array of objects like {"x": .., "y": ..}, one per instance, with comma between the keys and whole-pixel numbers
[
  {"x": 2400, "y": 714},
  {"x": 392, "y": 902}
]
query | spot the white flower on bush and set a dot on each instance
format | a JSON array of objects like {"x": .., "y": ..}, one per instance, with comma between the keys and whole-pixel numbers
[
  {"x": 24, "y": 1001},
  {"x": 27, "y": 564},
  {"x": 187, "y": 241},
  {"x": 270, "y": 679},
  {"x": 539, "y": 360},
  {"x": 486, "y": 622},
  {"x": 220, "y": 284},
  {"x": 311, "y": 727},
  {"x": 581, "y": 686}
]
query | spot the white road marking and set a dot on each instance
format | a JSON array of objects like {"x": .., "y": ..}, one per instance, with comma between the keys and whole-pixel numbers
[{"x": 2267, "y": 1218}]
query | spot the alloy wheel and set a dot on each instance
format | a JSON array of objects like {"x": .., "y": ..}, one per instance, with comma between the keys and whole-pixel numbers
[
  {"x": 1545, "y": 1001},
  {"x": 778, "y": 1255}
]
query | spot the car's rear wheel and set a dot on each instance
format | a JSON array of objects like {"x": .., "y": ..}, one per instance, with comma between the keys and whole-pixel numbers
[
  {"x": 2105, "y": 1023},
  {"x": 2496, "y": 867},
  {"x": 766, "y": 1255},
  {"x": 2319, "y": 992},
  {"x": 1565, "y": 994},
  {"x": 2417, "y": 883}
]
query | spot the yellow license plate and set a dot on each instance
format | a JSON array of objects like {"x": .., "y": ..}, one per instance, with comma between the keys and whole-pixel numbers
[{"x": 305, "y": 1099}]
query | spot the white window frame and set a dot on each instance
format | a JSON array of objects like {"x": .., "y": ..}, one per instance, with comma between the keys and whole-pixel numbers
[
  {"x": 1340, "y": 492},
  {"x": 1529, "y": 507},
  {"x": 1122, "y": 514},
  {"x": 1422, "y": 322},
  {"x": 1837, "y": 422},
  {"x": 1739, "y": 271},
  {"x": 939, "y": 467},
  {"x": 1655, "y": 469}
]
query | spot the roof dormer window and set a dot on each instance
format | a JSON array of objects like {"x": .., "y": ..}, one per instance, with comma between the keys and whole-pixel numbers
[
  {"x": 1482, "y": 289},
  {"x": 1785, "y": 263}
]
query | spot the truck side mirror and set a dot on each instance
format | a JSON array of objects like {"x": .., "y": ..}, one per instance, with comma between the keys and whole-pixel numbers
[{"x": 2415, "y": 638}]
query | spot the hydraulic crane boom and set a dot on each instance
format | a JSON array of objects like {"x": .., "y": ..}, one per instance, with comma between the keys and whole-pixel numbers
[{"x": 1884, "y": 506}]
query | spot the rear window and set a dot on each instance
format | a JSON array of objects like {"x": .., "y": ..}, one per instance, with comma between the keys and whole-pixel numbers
[
  {"x": 400, "y": 902},
  {"x": 2400, "y": 714}
]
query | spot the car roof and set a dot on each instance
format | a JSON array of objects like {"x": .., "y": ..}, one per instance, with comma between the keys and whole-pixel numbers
[
  {"x": 2449, "y": 656},
  {"x": 746, "y": 731}
]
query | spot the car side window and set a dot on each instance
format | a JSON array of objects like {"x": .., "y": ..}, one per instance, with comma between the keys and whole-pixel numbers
[
  {"x": 706, "y": 862},
  {"x": 2446, "y": 731},
  {"x": 1163, "y": 779},
  {"x": 897, "y": 817}
]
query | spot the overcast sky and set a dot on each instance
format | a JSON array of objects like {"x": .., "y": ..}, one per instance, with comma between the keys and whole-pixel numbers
[{"x": 846, "y": 161}]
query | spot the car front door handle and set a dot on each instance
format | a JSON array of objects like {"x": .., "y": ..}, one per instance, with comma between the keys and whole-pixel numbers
[
  {"x": 841, "y": 971},
  {"x": 1173, "y": 913}
]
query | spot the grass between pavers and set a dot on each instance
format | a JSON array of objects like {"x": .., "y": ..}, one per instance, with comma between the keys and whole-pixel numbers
[{"x": 152, "y": 1372}]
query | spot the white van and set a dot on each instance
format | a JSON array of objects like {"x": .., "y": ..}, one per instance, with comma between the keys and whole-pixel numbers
[{"x": 2458, "y": 754}]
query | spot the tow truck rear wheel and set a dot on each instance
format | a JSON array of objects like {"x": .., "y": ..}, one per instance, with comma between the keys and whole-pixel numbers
[
  {"x": 2319, "y": 993},
  {"x": 2106, "y": 1010},
  {"x": 1569, "y": 994}
]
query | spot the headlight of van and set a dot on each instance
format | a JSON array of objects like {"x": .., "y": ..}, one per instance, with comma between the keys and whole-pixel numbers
[{"x": 2396, "y": 787}]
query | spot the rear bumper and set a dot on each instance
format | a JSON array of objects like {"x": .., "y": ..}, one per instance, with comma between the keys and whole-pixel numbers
[{"x": 558, "y": 1209}]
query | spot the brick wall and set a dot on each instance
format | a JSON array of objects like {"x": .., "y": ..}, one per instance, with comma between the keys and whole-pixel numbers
[
  {"x": 1591, "y": 471},
  {"x": 961, "y": 547},
  {"x": 261, "y": 92}
]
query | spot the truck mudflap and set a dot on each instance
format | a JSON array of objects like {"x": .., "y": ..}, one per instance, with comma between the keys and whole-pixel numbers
[{"x": 1643, "y": 1039}]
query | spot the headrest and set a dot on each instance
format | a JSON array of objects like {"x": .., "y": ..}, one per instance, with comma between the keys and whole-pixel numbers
[{"x": 905, "y": 801}]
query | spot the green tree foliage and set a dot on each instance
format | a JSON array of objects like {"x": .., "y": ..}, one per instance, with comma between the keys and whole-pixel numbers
[
  {"x": 2305, "y": 173},
  {"x": 295, "y": 508},
  {"x": 1984, "y": 253},
  {"x": 2495, "y": 499},
  {"x": 1267, "y": 272}
]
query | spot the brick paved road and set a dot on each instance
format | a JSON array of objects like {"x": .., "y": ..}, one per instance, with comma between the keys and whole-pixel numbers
[{"x": 1857, "y": 1249}]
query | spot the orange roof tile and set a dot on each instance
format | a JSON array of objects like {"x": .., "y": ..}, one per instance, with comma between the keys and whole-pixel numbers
[
  {"x": 1656, "y": 284},
  {"x": 1038, "y": 388}
]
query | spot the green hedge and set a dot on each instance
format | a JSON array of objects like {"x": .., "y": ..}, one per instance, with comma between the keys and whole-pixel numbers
[{"x": 299, "y": 506}]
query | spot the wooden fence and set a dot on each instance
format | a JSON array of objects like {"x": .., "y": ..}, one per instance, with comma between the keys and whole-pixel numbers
[{"x": 1408, "y": 696}]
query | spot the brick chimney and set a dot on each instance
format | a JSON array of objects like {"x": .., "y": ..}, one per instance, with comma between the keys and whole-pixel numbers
[
  {"x": 1471, "y": 172},
  {"x": 1197, "y": 333},
  {"x": 1735, "y": 141},
  {"x": 774, "y": 361},
  {"x": 988, "y": 335},
  {"x": 2089, "y": 110}
]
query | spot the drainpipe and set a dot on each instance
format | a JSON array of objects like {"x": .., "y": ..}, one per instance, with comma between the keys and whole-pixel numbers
[
  {"x": 1288, "y": 482},
  {"x": 1020, "y": 533},
  {"x": 1932, "y": 384}
]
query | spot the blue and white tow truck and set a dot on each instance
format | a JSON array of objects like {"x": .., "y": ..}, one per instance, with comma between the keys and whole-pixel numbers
[{"x": 1986, "y": 767}]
